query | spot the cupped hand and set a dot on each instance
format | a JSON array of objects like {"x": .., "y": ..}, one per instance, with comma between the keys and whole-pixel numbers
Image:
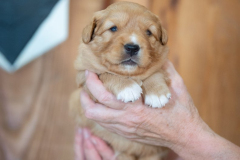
[{"x": 167, "y": 126}]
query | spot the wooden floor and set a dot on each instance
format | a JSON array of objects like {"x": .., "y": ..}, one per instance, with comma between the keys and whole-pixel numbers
[{"x": 204, "y": 38}]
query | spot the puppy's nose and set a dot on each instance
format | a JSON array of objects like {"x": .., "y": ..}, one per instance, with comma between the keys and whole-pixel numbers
[{"x": 132, "y": 49}]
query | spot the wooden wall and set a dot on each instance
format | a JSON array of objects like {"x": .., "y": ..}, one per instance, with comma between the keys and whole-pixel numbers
[{"x": 204, "y": 38}]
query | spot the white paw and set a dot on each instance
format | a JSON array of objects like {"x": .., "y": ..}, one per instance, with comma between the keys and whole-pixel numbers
[
  {"x": 130, "y": 94},
  {"x": 157, "y": 102}
]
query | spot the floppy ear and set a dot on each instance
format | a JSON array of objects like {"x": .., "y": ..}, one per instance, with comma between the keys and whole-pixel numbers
[
  {"x": 88, "y": 31},
  {"x": 164, "y": 36}
]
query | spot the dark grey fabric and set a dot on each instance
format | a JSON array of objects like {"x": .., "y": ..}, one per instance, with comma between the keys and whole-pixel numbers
[{"x": 19, "y": 19}]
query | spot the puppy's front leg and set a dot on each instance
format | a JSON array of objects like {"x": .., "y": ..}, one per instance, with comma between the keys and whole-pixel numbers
[
  {"x": 155, "y": 90},
  {"x": 125, "y": 89}
]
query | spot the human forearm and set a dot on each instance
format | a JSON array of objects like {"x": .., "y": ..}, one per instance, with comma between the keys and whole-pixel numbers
[{"x": 205, "y": 144}]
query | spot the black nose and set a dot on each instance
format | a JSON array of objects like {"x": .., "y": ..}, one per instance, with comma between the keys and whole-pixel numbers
[{"x": 132, "y": 49}]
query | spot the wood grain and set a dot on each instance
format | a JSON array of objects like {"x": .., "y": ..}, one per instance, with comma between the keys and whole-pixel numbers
[
  {"x": 204, "y": 38},
  {"x": 34, "y": 119}
]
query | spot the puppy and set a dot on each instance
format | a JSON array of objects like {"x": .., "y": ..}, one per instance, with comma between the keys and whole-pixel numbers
[{"x": 125, "y": 45}]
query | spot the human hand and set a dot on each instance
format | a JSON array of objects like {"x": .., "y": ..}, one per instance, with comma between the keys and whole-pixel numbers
[
  {"x": 90, "y": 147},
  {"x": 168, "y": 126}
]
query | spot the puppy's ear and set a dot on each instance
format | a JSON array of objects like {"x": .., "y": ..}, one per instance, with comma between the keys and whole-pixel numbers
[
  {"x": 89, "y": 30},
  {"x": 164, "y": 36}
]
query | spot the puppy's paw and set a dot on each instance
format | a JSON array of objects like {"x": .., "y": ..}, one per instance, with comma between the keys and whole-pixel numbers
[
  {"x": 130, "y": 94},
  {"x": 157, "y": 101}
]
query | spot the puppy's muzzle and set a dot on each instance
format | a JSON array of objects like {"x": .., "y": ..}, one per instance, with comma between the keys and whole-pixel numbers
[{"x": 131, "y": 49}]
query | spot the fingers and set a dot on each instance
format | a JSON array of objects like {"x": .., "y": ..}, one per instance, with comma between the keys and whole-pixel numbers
[
  {"x": 97, "y": 89},
  {"x": 97, "y": 111},
  {"x": 89, "y": 147},
  {"x": 78, "y": 146},
  {"x": 103, "y": 149},
  {"x": 90, "y": 151}
]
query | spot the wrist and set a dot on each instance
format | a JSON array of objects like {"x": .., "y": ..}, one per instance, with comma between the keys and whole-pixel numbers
[
  {"x": 195, "y": 144},
  {"x": 203, "y": 143},
  {"x": 192, "y": 138}
]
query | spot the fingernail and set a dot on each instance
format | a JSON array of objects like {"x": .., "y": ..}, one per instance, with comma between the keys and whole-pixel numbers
[
  {"x": 86, "y": 73},
  {"x": 85, "y": 134},
  {"x": 94, "y": 141}
]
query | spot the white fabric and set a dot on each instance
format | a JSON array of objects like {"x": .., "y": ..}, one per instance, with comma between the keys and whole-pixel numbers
[{"x": 52, "y": 32}]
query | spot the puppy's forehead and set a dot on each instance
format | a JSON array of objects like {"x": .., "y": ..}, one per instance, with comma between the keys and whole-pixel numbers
[
  {"x": 123, "y": 17},
  {"x": 118, "y": 15}
]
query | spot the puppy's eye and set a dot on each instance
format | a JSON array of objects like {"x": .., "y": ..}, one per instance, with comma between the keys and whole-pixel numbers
[
  {"x": 149, "y": 33},
  {"x": 113, "y": 29}
]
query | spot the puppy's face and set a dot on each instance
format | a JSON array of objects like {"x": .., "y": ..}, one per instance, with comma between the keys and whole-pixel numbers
[{"x": 127, "y": 38}]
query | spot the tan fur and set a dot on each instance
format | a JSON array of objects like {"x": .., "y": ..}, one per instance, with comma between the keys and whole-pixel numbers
[
  {"x": 151, "y": 87},
  {"x": 102, "y": 52},
  {"x": 115, "y": 83}
]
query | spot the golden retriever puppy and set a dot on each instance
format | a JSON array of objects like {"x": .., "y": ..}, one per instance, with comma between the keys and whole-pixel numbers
[{"x": 125, "y": 45}]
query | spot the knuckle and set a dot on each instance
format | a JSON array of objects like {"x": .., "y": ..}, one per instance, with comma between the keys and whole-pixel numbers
[
  {"x": 105, "y": 97},
  {"x": 178, "y": 80},
  {"x": 88, "y": 145},
  {"x": 89, "y": 114}
]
